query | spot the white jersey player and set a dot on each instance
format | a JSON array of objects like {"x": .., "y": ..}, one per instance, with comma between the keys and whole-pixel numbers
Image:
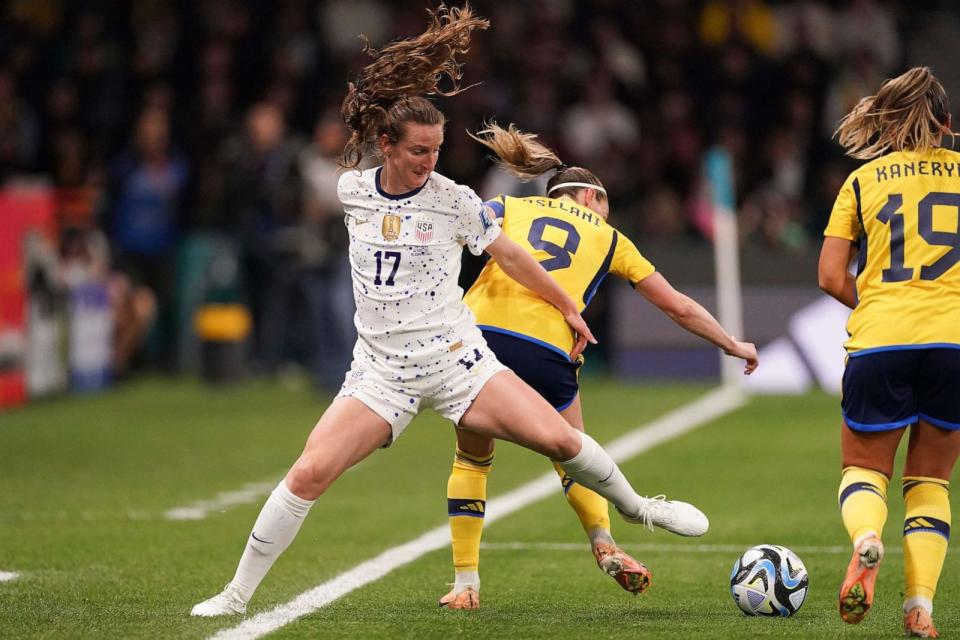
[
  {"x": 418, "y": 341},
  {"x": 418, "y": 345}
]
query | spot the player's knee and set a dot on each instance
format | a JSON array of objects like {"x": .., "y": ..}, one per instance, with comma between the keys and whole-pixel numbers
[
  {"x": 565, "y": 444},
  {"x": 307, "y": 479}
]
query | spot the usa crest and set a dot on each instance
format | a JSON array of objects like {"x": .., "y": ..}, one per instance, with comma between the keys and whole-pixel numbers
[
  {"x": 424, "y": 231},
  {"x": 390, "y": 227}
]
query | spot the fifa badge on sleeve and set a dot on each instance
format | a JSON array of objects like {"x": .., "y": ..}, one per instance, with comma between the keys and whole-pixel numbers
[{"x": 390, "y": 227}]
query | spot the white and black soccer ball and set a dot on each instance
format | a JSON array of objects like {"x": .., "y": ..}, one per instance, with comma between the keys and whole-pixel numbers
[{"x": 769, "y": 580}]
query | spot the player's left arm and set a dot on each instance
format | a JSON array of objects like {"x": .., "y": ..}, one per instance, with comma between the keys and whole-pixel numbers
[
  {"x": 690, "y": 314},
  {"x": 521, "y": 266},
  {"x": 832, "y": 271}
]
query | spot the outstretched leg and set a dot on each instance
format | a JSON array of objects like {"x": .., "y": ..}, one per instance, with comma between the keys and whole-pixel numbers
[
  {"x": 347, "y": 433},
  {"x": 507, "y": 408}
]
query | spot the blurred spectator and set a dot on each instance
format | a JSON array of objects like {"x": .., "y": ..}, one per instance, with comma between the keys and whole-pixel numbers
[
  {"x": 18, "y": 128},
  {"x": 598, "y": 122},
  {"x": 748, "y": 22},
  {"x": 148, "y": 183},
  {"x": 260, "y": 203},
  {"x": 869, "y": 25},
  {"x": 325, "y": 261},
  {"x": 636, "y": 90},
  {"x": 85, "y": 259}
]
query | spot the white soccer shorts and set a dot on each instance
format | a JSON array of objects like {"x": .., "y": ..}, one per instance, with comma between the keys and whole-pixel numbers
[{"x": 397, "y": 395}]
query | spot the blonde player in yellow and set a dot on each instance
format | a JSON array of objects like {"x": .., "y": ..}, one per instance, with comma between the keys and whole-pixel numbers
[
  {"x": 567, "y": 232},
  {"x": 899, "y": 214}
]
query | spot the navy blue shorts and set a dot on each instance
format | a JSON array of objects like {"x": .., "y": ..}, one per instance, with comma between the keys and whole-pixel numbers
[
  {"x": 549, "y": 372},
  {"x": 885, "y": 390}
]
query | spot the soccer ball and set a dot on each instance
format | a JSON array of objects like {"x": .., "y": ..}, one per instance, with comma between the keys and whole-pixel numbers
[{"x": 769, "y": 580}]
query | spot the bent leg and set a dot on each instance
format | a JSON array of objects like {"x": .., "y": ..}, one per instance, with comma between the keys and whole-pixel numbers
[{"x": 867, "y": 467}]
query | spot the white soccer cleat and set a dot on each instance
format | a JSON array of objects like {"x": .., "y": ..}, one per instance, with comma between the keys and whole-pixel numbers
[
  {"x": 676, "y": 517},
  {"x": 225, "y": 603}
]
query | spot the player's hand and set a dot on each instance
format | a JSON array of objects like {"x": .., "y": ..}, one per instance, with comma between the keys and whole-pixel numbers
[
  {"x": 747, "y": 351},
  {"x": 581, "y": 331}
]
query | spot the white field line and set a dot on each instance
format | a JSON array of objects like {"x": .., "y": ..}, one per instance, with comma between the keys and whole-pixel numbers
[
  {"x": 6, "y": 576},
  {"x": 713, "y": 405},
  {"x": 247, "y": 494},
  {"x": 673, "y": 548},
  {"x": 250, "y": 492}
]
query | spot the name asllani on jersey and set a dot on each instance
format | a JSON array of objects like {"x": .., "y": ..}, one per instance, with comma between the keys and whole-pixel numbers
[{"x": 564, "y": 205}]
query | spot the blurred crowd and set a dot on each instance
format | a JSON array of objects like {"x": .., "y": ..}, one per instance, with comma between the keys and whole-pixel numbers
[{"x": 160, "y": 121}]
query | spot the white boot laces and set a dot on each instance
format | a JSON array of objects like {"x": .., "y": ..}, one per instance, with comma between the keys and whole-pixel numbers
[{"x": 656, "y": 509}]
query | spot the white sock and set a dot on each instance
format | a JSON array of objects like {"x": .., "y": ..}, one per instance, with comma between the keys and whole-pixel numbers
[
  {"x": 600, "y": 536},
  {"x": 918, "y": 601},
  {"x": 274, "y": 530},
  {"x": 595, "y": 469},
  {"x": 465, "y": 580}
]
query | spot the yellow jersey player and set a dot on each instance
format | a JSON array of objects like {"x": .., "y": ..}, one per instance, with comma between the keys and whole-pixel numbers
[
  {"x": 567, "y": 232},
  {"x": 899, "y": 214}
]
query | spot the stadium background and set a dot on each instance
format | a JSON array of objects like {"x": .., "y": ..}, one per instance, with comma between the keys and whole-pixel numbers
[
  {"x": 189, "y": 147},
  {"x": 191, "y": 131}
]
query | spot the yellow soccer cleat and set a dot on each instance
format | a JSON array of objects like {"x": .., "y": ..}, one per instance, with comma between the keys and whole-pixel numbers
[{"x": 628, "y": 572}]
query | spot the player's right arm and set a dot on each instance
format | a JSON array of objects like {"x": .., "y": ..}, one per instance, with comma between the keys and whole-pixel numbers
[
  {"x": 832, "y": 274},
  {"x": 690, "y": 315},
  {"x": 839, "y": 244}
]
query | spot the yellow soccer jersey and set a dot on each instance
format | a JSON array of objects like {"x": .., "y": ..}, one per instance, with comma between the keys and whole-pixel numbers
[
  {"x": 574, "y": 244},
  {"x": 902, "y": 210}
]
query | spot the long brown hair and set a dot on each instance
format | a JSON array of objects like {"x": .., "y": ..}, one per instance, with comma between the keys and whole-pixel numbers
[
  {"x": 523, "y": 156},
  {"x": 389, "y": 91},
  {"x": 909, "y": 112}
]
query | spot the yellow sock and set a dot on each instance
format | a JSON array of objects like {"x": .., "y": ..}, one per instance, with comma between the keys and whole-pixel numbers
[
  {"x": 466, "y": 504},
  {"x": 863, "y": 502},
  {"x": 591, "y": 508},
  {"x": 926, "y": 532}
]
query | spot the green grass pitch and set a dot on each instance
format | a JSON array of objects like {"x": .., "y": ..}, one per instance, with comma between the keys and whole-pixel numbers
[{"x": 85, "y": 483}]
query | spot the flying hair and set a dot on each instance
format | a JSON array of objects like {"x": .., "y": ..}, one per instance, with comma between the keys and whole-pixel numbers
[
  {"x": 521, "y": 155},
  {"x": 909, "y": 112},
  {"x": 390, "y": 90}
]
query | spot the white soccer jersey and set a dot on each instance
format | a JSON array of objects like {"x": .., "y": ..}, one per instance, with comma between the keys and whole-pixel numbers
[{"x": 405, "y": 253}]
